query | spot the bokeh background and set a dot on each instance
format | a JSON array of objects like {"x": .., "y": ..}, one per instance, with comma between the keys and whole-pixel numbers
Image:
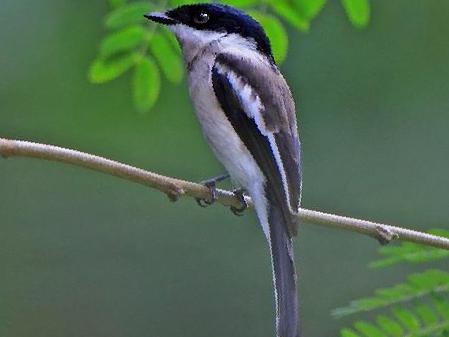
[{"x": 85, "y": 254}]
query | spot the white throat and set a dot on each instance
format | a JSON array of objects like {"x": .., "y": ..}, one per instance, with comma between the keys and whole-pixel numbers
[{"x": 194, "y": 41}]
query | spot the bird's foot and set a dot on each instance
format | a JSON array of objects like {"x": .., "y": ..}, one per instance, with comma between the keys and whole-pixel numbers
[
  {"x": 385, "y": 235},
  {"x": 240, "y": 194},
  {"x": 211, "y": 184}
]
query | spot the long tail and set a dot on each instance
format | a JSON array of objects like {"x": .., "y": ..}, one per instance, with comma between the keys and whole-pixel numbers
[{"x": 284, "y": 274}]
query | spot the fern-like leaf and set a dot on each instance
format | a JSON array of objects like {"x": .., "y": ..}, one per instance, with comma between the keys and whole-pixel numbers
[
  {"x": 418, "y": 285},
  {"x": 424, "y": 320},
  {"x": 411, "y": 252}
]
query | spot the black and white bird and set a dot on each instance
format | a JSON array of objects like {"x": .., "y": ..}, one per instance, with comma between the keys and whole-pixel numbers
[{"x": 247, "y": 114}]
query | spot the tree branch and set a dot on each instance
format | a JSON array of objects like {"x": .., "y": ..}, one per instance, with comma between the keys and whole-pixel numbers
[{"x": 176, "y": 188}]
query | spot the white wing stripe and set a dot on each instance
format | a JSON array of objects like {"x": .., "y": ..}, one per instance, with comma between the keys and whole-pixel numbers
[{"x": 253, "y": 107}]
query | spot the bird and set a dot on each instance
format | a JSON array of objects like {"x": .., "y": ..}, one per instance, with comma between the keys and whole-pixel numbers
[{"x": 248, "y": 117}]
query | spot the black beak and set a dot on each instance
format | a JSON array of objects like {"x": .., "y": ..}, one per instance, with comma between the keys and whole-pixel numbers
[{"x": 160, "y": 18}]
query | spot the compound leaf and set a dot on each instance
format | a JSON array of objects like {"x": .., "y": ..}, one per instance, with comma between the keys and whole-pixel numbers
[
  {"x": 431, "y": 281},
  {"x": 421, "y": 322},
  {"x": 411, "y": 252}
]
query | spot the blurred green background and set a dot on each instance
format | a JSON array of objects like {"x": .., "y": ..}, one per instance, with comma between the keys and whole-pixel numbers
[{"x": 84, "y": 254}]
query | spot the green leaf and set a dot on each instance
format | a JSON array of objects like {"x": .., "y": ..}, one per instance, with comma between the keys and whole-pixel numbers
[
  {"x": 442, "y": 306},
  {"x": 391, "y": 327},
  {"x": 385, "y": 326},
  {"x": 116, "y": 3},
  {"x": 432, "y": 278},
  {"x": 290, "y": 14},
  {"x": 418, "y": 285},
  {"x": 411, "y": 252},
  {"x": 123, "y": 40},
  {"x": 348, "y": 333},
  {"x": 241, "y": 3},
  {"x": 128, "y": 14},
  {"x": 407, "y": 318},
  {"x": 172, "y": 39},
  {"x": 310, "y": 8},
  {"x": 104, "y": 70},
  {"x": 368, "y": 329},
  {"x": 146, "y": 84},
  {"x": 358, "y": 12},
  {"x": 426, "y": 314},
  {"x": 167, "y": 58},
  {"x": 180, "y": 2},
  {"x": 276, "y": 33}
]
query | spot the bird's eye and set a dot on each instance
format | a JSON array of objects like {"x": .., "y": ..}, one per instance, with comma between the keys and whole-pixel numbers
[{"x": 201, "y": 18}]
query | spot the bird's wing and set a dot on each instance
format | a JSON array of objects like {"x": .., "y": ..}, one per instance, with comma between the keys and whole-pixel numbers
[{"x": 257, "y": 101}]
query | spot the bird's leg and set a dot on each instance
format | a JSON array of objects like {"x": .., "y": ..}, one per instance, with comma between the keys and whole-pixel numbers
[
  {"x": 240, "y": 194},
  {"x": 211, "y": 184}
]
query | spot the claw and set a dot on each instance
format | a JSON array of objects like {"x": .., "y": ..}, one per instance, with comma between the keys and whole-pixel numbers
[
  {"x": 240, "y": 194},
  {"x": 385, "y": 235},
  {"x": 202, "y": 203},
  {"x": 211, "y": 184}
]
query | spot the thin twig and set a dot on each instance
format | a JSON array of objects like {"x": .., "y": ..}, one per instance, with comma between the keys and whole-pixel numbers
[{"x": 176, "y": 188}]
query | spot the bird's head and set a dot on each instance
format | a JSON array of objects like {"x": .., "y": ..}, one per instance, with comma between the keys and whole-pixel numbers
[{"x": 200, "y": 24}]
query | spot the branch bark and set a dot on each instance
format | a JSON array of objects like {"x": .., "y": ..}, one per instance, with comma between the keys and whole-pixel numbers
[{"x": 176, "y": 188}]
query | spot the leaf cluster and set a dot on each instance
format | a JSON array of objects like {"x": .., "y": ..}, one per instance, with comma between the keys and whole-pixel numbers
[
  {"x": 133, "y": 45},
  {"x": 418, "y": 307},
  {"x": 150, "y": 52},
  {"x": 418, "y": 285},
  {"x": 411, "y": 252},
  {"x": 423, "y": 320}
]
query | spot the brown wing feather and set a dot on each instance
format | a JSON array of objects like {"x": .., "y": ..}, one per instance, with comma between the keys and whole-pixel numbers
[{"x": 279, "y": 116}]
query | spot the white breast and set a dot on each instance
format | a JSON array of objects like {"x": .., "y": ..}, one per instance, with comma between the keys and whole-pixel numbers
[
  {"x": 217, "y": 129},
  {"x": 199, "y": 53},
  {"x": 224, "y": 141}
]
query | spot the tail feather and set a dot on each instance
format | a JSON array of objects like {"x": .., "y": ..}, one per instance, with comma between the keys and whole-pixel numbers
[
  {"x": 275, "y": 219},
  {"x": 284, "y": 274}
]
